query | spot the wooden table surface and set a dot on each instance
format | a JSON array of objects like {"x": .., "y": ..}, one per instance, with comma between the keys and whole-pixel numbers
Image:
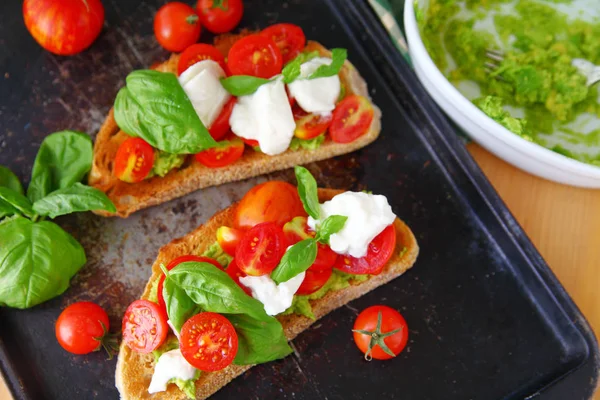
[{"x": 563, "y": 223}]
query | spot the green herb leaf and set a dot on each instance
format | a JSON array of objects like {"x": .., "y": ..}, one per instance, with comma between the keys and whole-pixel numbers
[
  {"x": 7, "y": 210},
  {"x": 295, "y": 261},
  {"x": 63, "y": 159},
  {"x": 154, "y": 107},
  {"x": 9, "y": 179},
  {"x": 75, "y": 198},
  {"x": 258, "y": 341},
  {"x": 180, "y": 307},
  {"x": 292, "y": 70},
  {"x": 242, "y": 85},
  {"x": 16, "y": 200},
  {"x": 307, "y": 189},
  {"x": 333, "y": 224},
  {"x": 338, "y": 57},
  {"x": 37, "y": 261}
]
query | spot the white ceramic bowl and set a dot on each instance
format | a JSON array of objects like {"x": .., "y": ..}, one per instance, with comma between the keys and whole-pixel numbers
[{"x": 523, "y": 154}]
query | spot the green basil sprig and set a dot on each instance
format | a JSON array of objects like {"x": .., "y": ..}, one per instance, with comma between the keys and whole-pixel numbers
[
  {"x": 242, "y": 85},
  {"x": 295, "y": 261},
  {"x": 332, "y": 224},
  {"x": 38, "y": 259},
  {"x": 155, "y": 107},
  {"x": 338, "y": 57},
  {"x": 260, "y": 336},
  {"x": 292, "y": 70},
  {"x": 307, "y": 189}
]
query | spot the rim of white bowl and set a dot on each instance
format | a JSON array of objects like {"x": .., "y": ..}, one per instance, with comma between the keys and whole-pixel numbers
[{"x": 513, "y": 140}]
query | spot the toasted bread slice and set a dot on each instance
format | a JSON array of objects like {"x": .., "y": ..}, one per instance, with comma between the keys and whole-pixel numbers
[
  {"x": 129, "y": 197},
  {"x": 134, "y": 370}
]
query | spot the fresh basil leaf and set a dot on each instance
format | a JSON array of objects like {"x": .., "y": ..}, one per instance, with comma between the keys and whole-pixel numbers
[
  {"x": 63, "y": 159},
  {"x": 292, "y": 70},
  {"x": 338, "y": 57},
  {"x": 180, "y": 307},
  {"x": 307, "y": 189},
  {"x": 16, "y": 200},
  {"x": 75, "y": 198},
  {"x": 242, "y": 85},
  {"x": 258, "y": 341},
  {"x": 155, "y": 107},
  {"x": 37, "y": 261},
  {"x": 332, "y": 224},
  {"x": 7, "y": 210},
  {"x": 9, "y": 179},
  {"x": 295, "y": 261}
]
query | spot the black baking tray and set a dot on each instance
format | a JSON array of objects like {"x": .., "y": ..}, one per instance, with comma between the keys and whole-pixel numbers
[{"x": 487, "y": 318}]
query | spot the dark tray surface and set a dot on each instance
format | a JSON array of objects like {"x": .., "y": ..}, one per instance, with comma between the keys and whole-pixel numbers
[{"x": 487, "y": 318}]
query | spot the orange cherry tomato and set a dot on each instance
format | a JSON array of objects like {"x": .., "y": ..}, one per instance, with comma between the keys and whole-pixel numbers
[
  {"x": 208, "y": 341},
  {"x": 64, "y": 27},
  {"x": 261, "y": 249},
  {"x": 220, "y": 126},
  {"x": 312, "y": 125},
  {"x": 229, "y": 238},
  {"x": 144, "y": 326},
  {"x": 220, "y": 16},
  {"x": 134, "y": 160},
  {"x": 227, "y": 152},
  {"x": 199, "y": 52},
  {"x": 290, "y": 39},
  {"x": 378, "y": 254},
  {"x": 176, "y": 26},
  {"x": 392, "y": 332},
  {"x": 352, "y": 118},
  {"x": 273, "y": 201},
  {"x": 255, "y": 55}
]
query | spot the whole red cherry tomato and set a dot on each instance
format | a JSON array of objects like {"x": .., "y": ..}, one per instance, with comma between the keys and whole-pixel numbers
[
  {"x": 380, "y": 332},
  {"x": 220, "y": 16},
  {"x": 176, "y": 26},
  {"x": 82, "y": 328}
]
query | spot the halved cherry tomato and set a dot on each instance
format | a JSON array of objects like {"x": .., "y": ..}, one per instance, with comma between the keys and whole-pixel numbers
[
  {"x": 379, "y": 253},
  {"x": 255, "y": 55},
  {"x": 82, "y": 328},
  {"x": 261, "y": 249},
  {"x": 311, "y": 126},
  {"x": 220, "y": 16},
  {"x": 199, "y": 52},
  {"x": 144, "y": 326},
  {"x": 173, "y": 264},
  {"x": 313, "y": 281},
  {"x": 134, "y": 160},
  {"x": 296, "y": 230},
  {"x": 176, "y": 26},
  {"x": 392, "y": 333},
  {"x": 208, "y": 341},
  {"x": 273, "y": 201},
  {"x": 229, "y": 239},
  {"x": 289, "y": 38},
  {"x": 220, "y": 126},
  {"x": 227, "y": 152},
  {"x": 236, "y": 273},
  {"x": 250, "y": 142},
  {"x": 352, "y": 118}
]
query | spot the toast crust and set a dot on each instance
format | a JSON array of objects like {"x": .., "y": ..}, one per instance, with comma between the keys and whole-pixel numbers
[
  {"x": 134, "y": 370},
  {"x": 129, "y": 198}
]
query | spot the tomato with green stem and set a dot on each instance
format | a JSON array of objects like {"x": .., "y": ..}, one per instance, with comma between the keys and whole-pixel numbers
[
  {"x": 380, "y": 332},
  {"x": 144, "y": 326},
  {"x": 134, "y": 160},
  {"x": 220, "y": 16},
  {"x": 261, "y": 249},
  {"x": 176, "y": 26},
  {"x": 83, "y": 327}
]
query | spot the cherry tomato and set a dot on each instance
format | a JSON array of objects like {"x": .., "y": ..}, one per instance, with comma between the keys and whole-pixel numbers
[
  {"x": 227, "y": 152},
  {"x": 296, "y": 230},
  {"x": 255, "y": 55},
  {"x": 312, "y": 125},
  {"x": 352, "y": 118},
  {"x": 176, "y": 26},
  {"x": 313, "y": 281},
  {"x": 134, "y": 160},
  {"x": 81, "y": 327},
  {"x": 289, "y": 38},
  {"x": 378, "y": 254},
  {"x": 261, "y": 249},
  {"x": 199, "y": 52},
  {"x": 383, "y": 325},
  {"x": 173, "y": 264},
  {"x": 229, "y": 239},
  {"x": 236, "y": 273},
  {"x": 250, "y": 142},
  {"x": 208, "y": 341},
  {"x": 272, "y": 201},
  {"x": 144, "y": 326},
  {"x": 220, "y": 16},
  {"x": 326, "y": 258},
  {"x": 220, "y": 126},
  {"x": 64, "y": 27}
]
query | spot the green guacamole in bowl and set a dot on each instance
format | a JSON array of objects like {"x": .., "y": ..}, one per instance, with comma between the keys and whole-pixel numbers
[{"x": 534, "y": 92}]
